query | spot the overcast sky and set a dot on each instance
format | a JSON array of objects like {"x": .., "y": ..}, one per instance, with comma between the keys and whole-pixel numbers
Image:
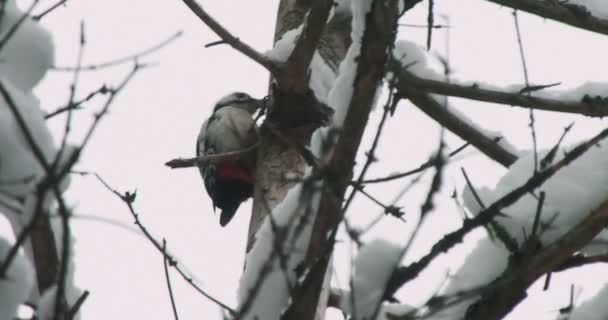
[{"x": 159, "y": 115}]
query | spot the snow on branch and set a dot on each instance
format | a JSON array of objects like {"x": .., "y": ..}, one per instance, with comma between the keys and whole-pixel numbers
[
  {"x": 506, "y": 199},
  {"x": 411, "y": 58},
  {"x": 481, "y": 92},
  {"x": 590, "y": 15},
  {"x": 293, "y": 76},
  {"x": 564, "y": 226}
]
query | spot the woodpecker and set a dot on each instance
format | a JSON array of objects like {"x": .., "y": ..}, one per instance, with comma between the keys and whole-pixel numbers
[{"x": 230, "y": 127}]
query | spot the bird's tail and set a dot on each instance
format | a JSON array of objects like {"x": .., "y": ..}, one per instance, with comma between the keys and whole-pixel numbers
[{"x": 228, "y": 212}]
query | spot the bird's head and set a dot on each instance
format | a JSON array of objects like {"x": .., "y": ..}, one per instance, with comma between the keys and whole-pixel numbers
[{"x": 239, "y": 100}]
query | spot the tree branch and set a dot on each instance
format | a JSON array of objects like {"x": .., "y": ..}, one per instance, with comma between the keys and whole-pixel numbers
[
  {"x": 571, "y": 14},
  {"x": 229, "y": 38},
  {"x": 294, "y": 76},
  {"x": 512, "y": 285},
  {"x": 378, "y": 36},
  {"x": 405, "y": 274},
  {"x": 513, "y": 99},
  {"x": 212, "y": 158},
  {"x": 487, "y": 145}
]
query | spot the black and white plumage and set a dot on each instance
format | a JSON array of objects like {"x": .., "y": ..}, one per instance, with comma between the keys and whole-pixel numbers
[{"x": 230, "y": 127}]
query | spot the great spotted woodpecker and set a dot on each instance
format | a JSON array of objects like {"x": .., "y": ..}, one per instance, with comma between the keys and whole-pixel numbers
[{"x": 231, "y": 127}]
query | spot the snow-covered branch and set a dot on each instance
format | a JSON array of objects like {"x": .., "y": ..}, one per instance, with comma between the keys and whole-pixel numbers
[
  {"x": 479, "y": 92},
  {"x": 575, "y": 13},
  {"x": 510, "y": 197}
]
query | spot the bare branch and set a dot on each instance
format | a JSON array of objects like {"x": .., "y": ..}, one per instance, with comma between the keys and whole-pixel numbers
[
  {"x": 75, "y": 105},
  {"x": 229, "y": 38},
  {"x": 128, "y": 198},
  {"x": 49, "y": 10},
  {"x": 166, "y": 263},
  {"x": 127, "y": 59},
  {"x": 212, "y": 158},
  {"x": 571, "y": 14}
]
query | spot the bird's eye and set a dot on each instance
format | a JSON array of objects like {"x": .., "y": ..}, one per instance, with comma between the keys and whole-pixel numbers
[{"x": 242, "y": 96}]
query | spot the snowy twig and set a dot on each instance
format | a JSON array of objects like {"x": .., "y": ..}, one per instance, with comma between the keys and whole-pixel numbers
[
  {"x": 128, "y": 198},
  {"x": 127, "y": 59},
  {"x": 409, "y": 80},
  {"x": 229, "y": 38},
  {"x": 166, "y": 263},
  {"x": 212, "y": 158},
  {"x": 514, "y": 281},
  {"x": 429, "y": 164},
  {"x": 49, "y": 10},
  {"x": 576, "y": 16},
  {"x": 405, "y": 274}
]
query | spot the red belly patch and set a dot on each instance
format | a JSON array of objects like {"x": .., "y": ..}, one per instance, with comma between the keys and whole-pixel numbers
[{"x": 233, "y": 171}]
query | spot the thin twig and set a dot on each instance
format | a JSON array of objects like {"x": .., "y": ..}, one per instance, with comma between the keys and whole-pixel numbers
[
  {"x": 60, "y": 299},
  {"x": 49, "y": 10},
  {"x": 524, "y": 65},
  {"x": 119, "y": 61},
  {"x": 430, "y": 21},
  {"x": 391, "y": 104},
  {"x": 76, "y": 307},
  {"x": 128, "y": 198},
  {"x": 429, "y": 164},
  {"x": 76, "y": 105},
  {"x": 561, "y": 12},
  {"x": 166, "y": 263}
]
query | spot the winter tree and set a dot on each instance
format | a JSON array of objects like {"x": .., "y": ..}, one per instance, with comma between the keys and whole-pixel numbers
[{"x": 491, "y": 203}]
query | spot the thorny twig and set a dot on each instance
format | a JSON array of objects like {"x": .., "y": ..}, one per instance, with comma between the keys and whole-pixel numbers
[{"x": 128, "y": 199}]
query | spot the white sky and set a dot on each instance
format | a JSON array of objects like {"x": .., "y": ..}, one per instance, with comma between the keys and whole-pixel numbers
[{"x": 158, "y": 117}]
